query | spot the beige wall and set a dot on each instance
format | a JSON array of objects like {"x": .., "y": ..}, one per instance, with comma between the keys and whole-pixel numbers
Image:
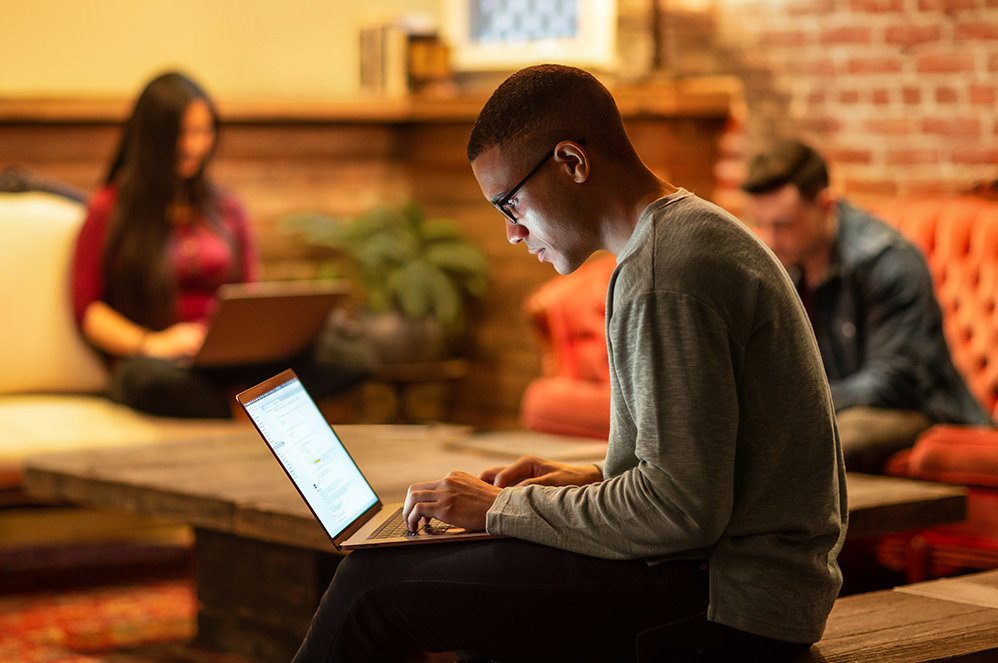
[{"x": 236, "y": 48}]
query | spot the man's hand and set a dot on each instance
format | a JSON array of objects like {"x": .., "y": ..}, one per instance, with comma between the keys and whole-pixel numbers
[
  {"x": 530, "y": 470},
  {"x": 458, "y": 499}
]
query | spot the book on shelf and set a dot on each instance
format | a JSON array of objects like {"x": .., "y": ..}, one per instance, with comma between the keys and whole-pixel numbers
[{"x": 396, "y": 58}]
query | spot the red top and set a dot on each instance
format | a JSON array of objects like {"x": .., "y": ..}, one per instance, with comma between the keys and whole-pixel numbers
[{"x": 202, "y": 259}]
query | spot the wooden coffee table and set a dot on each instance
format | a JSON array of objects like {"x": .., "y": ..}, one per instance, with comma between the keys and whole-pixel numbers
[{"x": 263, "y": 561}]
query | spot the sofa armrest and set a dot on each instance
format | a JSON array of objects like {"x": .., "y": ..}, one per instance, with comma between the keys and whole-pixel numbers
[{"x": 42, "y": 349}]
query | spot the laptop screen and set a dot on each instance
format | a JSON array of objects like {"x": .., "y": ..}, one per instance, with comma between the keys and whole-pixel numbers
[{"x": 312, "y": 455}]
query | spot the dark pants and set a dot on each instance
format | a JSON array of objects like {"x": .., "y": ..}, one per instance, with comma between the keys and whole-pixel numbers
[
  {"x": 168, "y": 389},
  {"x": 510, "y": 600}
]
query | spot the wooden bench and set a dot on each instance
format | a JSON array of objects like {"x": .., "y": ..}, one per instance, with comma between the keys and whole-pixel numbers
[{"x": 953, "y": 619}]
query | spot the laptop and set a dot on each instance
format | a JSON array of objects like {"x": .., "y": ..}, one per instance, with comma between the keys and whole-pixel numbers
[
  {"x": 263, "y": 322},
  {"x": 326, "y": 476}
]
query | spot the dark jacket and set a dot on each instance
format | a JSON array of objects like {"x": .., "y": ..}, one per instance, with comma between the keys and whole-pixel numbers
[{"x": 879, "y": 326}]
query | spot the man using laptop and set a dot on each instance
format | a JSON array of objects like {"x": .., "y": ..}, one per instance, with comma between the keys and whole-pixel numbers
[{"x": 715, "y": 521}]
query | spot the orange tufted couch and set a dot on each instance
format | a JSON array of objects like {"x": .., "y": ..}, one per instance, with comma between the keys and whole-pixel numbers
[{"x": 959, "y": 236}]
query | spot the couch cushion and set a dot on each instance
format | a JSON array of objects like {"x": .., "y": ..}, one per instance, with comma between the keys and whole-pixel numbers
[
  {"x": 40, "y": 346},
  {"x": 41, "y": 423},
  {"x": 954, "y": 454},
  {"x": 569, "y": 313},
  {"x": 564, "y": 406}
]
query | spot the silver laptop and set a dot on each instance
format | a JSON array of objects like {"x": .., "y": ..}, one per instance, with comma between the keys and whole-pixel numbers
[
  {"x": 325, "y": 474},
  {"x": 267, "y": 321}
]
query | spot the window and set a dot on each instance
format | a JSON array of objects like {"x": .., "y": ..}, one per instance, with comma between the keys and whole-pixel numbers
[{"x": 507, "y": 34}]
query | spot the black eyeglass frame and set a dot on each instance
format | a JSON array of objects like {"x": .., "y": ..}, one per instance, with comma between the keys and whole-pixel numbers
[{"x": 506, "y": 199}]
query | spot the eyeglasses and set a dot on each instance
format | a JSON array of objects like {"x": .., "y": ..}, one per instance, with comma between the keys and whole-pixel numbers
[{"x": 505, "y": 200}]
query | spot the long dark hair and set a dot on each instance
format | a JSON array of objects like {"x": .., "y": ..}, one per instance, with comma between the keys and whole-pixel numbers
[{"x": 139, "y": 280}]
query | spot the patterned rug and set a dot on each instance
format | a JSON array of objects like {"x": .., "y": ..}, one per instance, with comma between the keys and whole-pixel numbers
[{"x": 151, "y": 622}]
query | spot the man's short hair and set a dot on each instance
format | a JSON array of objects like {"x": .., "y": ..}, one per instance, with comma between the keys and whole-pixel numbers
[
  {"x": 538, "y": 106},
  {"x": 787, "y": 162}
]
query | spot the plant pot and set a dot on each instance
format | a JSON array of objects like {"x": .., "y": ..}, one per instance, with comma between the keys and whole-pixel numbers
[{"x": 398, "y": 339}]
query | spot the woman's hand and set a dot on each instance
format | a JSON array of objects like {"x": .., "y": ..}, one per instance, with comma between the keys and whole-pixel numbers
[
  {"x": 180, "y": 341},
  {"x": 116, "y": 335},
  {"x": 533, "y": 471}
]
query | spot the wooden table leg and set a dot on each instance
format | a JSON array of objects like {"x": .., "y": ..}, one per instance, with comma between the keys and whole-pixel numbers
[{"x": 257, "y": 598}]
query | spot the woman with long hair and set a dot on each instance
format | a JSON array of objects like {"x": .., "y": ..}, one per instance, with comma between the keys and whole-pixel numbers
[{"x": 158, "y": 241}]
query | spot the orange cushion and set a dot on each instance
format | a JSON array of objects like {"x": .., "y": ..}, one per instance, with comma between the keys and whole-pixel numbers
[
  {"x": 569, "y": 315},
  {"x": 562, "y": 406},
  {"x": 955, "y": 454}
]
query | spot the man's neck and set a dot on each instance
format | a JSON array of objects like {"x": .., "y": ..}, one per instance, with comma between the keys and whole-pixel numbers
[
  {"x": 813, "y": 271},
  {"x": 814, "y": 268},
  {"x": 618, "y": 233}
]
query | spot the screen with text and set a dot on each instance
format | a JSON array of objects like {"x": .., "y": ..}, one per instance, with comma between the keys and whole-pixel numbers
[{"x": 312, "y": 455}]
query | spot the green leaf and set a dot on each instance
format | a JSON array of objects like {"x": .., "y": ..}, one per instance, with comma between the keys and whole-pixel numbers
[
  {"x": 400, "y": 259},
  {"x": 440, "y": 229},
  {"x": 412, "y": 288},
  {"x": 312, "y": 228},
  {"x": 413, "y": 213},
  {"x": 446, "y": 300},
  {"x": 328, "y": 270},
  {"x": 476, "y": 285},
  {"x": 458, "y": 258},
  {"x": 372, "y": 224}
]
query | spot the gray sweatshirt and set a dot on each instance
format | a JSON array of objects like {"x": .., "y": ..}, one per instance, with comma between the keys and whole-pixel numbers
[{"x": 723, "y": 443}]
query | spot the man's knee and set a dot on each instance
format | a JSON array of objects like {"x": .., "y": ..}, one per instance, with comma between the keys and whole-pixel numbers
[
  {"x": 871, "y": 435},
  {"x": 363, "y": 584}
]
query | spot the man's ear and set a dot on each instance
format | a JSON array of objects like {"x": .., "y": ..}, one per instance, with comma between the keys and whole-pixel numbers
[{"x": 573, "y": 159}]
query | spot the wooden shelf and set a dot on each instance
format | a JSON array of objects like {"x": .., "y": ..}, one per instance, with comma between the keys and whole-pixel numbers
[{"x": 711, "y": 97}]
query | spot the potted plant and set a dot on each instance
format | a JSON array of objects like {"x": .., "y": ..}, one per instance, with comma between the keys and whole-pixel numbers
[{"x": 414, "y": 275}]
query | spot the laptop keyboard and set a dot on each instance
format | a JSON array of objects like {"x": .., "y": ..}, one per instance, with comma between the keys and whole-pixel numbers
[{"x": 395, "y": 527}]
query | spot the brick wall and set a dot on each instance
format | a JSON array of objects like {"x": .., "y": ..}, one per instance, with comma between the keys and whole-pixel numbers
[
  {"x": 901, "y": 95},
  {"x": 344, "y": 160}
]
